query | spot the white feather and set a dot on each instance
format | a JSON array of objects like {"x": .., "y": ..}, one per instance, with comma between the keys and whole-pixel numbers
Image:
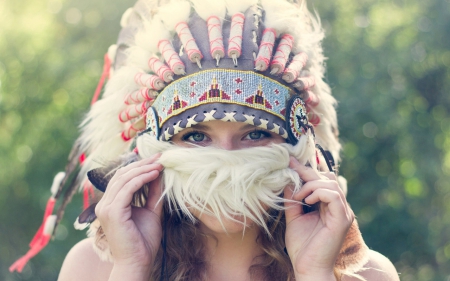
[
  {"x": 207, "y": 8},
  {"x": 126, "y": 17},
  {"x": 280, "y": 15},
  {"x": 174, "y": 12},
  {"x": 149, "y": 36},
  {"x": 138, "y": 57},
  {"x": 239, "y": 6}
]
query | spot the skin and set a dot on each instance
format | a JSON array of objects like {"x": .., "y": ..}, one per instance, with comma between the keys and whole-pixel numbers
[{"x": 313, "y": 240}]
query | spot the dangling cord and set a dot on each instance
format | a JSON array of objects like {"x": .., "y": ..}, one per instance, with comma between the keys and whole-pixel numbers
[
  {"x": 163, "y": 262},
  {"x": 105, "y": 73},
  {"x": 328, "y": 158}
]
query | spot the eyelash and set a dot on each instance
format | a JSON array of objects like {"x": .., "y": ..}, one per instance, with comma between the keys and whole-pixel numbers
[
  {"x": 186, "y": 136},
  {"x": 262, "y": 132}
]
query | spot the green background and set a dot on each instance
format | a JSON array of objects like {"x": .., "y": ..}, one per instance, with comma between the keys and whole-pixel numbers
[{"x": 388, "y": 66}]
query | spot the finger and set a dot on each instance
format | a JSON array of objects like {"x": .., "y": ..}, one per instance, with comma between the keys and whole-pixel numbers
[
  {"x": 136, "y": 164},
  {"x": 311, "y": 186},
  {"x": 305, "y": 173},
  {"x": 330, "y": 175},
  {"x": 333, "y": 200},
  {"x": 115, "y": 186},
  {"x": 292, "y": 209},
  {"x": 125, "y": 195},
  {"x": 154, "y": 202}
]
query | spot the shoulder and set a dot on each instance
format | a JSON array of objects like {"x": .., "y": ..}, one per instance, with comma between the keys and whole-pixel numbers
[
  {"x": 378, "y": 268},
  {"x": 82, "y": 263}
]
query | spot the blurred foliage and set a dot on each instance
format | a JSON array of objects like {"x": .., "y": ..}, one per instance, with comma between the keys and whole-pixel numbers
[{"x": 388, "y": 66}]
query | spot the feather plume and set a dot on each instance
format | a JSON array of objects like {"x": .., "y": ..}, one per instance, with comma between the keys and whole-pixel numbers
[
  {"x": 126, "y": 17},
  {"x": 153, "y": 32},
  {"x": 280, "y": 15},
  {"x": 138, "y": 57},
  {"x": 174, "y": 12},
  {"x": 207, "y": 8},
  {"x": 240, "y": 6}
]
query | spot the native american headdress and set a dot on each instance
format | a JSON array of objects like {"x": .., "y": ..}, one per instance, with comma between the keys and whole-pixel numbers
[{"x": 178, "y": 63}]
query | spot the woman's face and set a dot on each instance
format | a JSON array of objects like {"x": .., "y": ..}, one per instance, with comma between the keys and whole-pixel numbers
[{"x": 228, "y": 136}]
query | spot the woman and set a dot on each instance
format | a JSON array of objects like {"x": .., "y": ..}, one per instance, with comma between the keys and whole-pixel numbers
[{"x": 232, "y": 172}]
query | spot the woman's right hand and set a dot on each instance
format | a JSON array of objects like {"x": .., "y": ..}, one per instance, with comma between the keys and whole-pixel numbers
[{"x": 133, "y": 234}]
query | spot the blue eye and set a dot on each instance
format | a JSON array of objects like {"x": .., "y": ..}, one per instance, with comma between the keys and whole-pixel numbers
[
  {"x": 256, "y": 135},
  {"x": 194, "y": 137}
]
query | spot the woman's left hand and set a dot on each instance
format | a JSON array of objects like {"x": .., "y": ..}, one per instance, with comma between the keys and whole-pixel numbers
[{"x": 313, "y": 240}]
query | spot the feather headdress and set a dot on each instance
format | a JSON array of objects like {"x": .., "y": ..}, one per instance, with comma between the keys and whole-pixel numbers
[{"x": 178, "y": 63}]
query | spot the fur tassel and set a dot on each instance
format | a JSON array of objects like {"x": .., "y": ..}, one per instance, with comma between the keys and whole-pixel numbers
[
  {"x": 240, "y": 6},
  {"x": 174, "y": 12},
  {"x": 207, "y": 8}
]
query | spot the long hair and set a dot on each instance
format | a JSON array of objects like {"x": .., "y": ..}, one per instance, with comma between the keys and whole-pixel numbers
[{"x": 181, "y": 256}]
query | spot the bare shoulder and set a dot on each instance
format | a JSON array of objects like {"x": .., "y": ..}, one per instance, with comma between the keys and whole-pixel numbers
[
  {"x": 378, "y": 268},
  {"x": 82, "y": 263}
]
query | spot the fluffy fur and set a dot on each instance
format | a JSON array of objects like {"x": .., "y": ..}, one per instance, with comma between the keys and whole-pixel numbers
[
  {"x": 207, "y": 8},
  {"x": 234, "y": 7},
  {"x": 174, "y": 12},
  {"x": 226, "y": 184}
]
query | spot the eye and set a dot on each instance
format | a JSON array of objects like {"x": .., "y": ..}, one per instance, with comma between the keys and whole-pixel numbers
[
  {"x": 257, "y": 135},
  {"x": 194, "y": 137}
]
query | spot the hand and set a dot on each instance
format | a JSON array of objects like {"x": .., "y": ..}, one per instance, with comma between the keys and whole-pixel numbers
[
  {"x": 133, "y": 234},
  {"x": 313, "y": 240}
]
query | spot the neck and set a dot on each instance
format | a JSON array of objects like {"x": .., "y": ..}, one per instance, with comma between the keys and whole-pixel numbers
[{"x": 230, "y": 255}]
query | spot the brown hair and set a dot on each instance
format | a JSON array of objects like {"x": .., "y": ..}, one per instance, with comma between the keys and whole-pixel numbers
[{"x": 181, "y": 256}]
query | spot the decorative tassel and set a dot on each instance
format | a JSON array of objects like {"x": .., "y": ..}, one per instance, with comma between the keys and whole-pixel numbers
[
  {"x": 141, "y": 95},
  {"x": 265, "y": 49},
  {"x": 235, "y": 41},
  {"x": 105, "y": 74},
  {"x": 171, "y": 57},
  {"x": 189, "y": 44},
  {"x": 281, "y": 56},
  {"x": 134, "y": 111},
  {"x": 215, "y": 38},
  {"x": 150, "y": 81},
  {"x": 133, "y": 129},
  {"x": 293, "y": 70},
  {"x": 161, "y": 69},
  {"x": 37, "y": 245}
]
